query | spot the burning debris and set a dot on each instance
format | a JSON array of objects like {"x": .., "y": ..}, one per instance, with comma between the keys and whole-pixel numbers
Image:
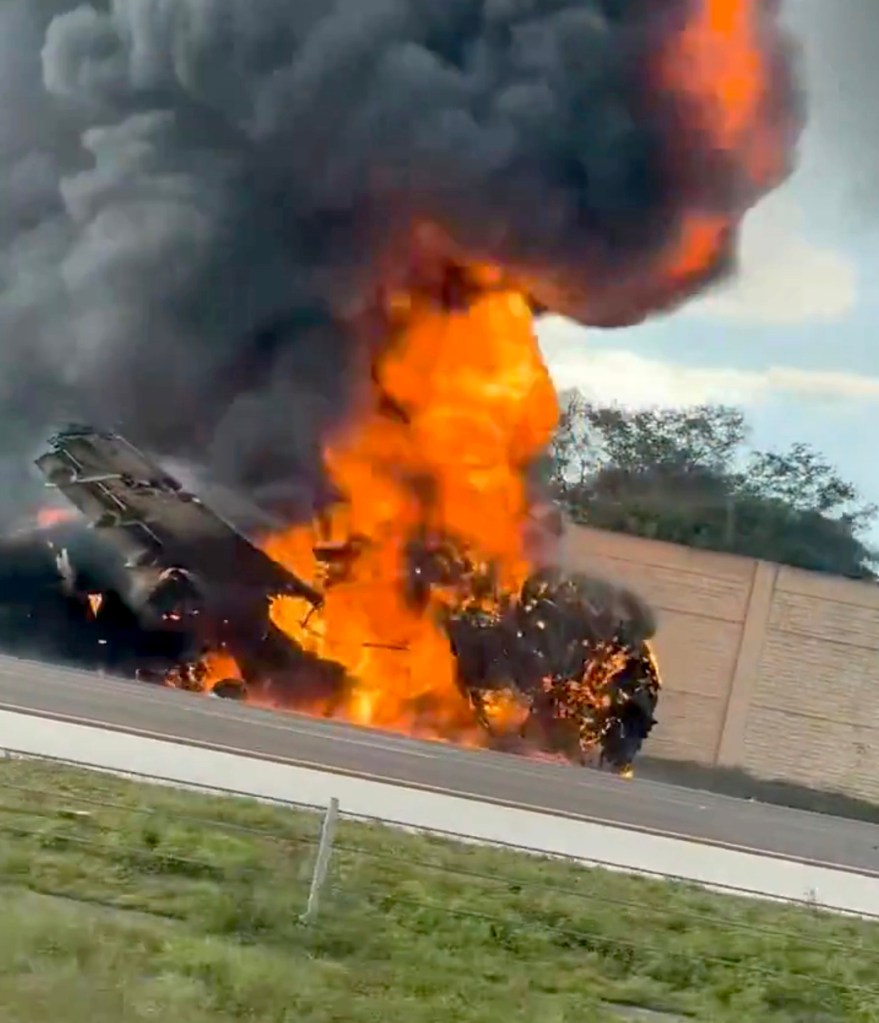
[
  {"x": 302, "y": 244},
  {"x": 154, "y": 585},
  {"x": 435, "y": 602},
  {"x": 161, "y": 588},
  {"x": 566, "y": 663},
  {"x": 190, "y": 584}
]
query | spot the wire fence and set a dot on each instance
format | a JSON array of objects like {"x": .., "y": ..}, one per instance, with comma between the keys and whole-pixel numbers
[{"x": 319, "y": 875}]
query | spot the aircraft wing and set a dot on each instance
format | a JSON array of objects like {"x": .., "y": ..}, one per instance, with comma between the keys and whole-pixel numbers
[{"x": 147, "y": 513}]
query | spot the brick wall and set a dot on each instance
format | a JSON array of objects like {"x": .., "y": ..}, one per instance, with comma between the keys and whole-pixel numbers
[{"x": 764, "y": 667}]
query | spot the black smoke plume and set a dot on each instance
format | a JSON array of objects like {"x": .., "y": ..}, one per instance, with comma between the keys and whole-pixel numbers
[{"x": 199, "y": 197}]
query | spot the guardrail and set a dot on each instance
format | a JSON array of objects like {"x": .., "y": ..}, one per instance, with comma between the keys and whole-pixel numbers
[{"x": 329, "y": 870}]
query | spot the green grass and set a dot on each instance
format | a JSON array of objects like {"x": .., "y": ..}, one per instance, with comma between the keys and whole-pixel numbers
[{"x": 122, "y": 901}]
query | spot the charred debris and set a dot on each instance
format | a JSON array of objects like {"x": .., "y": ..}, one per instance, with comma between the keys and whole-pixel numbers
[{"x": 147, "y": 580}]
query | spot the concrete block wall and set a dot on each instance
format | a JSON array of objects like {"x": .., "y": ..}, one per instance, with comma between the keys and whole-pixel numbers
[
  {"x": 814, "y": 714},
  {"x": 764, "y": 667}
]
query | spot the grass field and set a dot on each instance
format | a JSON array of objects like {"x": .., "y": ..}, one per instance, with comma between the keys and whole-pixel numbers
[{"x": 121, "y": 901}]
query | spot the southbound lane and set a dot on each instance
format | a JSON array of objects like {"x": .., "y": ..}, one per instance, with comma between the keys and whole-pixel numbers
[{"x": 33, "y": 688}]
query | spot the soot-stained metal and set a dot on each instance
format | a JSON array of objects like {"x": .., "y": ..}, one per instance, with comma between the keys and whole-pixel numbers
[{"x": 147, "y": 580}]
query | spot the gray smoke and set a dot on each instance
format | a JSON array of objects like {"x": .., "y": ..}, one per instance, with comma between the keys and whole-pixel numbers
[{"x": 199, "y": 197}]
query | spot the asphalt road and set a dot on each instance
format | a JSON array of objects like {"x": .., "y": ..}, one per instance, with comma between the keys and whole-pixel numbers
[{"x": 554, "y": 788}]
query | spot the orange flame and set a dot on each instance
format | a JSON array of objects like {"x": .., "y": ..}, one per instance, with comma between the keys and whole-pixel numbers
[
  {"x": 460, "y": 402},
  {"x": 219, "y": 666},
  {"x": 719, "y": 61},
  {"x": 473, "y": 404},
  {"x": 48, "y": 517},
  {"x": 715, "y": 65}
]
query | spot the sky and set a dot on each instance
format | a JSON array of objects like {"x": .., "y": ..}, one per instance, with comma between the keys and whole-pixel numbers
[{"x": 793, "y": 339}]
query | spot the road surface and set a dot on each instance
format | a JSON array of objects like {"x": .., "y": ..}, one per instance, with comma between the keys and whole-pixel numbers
[{"x": 70, "y": 695}]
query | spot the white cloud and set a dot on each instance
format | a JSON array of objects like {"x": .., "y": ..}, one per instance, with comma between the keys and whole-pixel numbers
[
  {"x": 783, "y": 278},
  {"x": 619, "y": 375}
]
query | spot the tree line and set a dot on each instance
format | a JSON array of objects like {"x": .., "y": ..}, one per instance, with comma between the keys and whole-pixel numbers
[{"x": 690, "y": 476}]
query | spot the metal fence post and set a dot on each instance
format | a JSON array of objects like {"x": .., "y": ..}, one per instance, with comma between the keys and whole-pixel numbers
[{"x": 322, "y": 861}]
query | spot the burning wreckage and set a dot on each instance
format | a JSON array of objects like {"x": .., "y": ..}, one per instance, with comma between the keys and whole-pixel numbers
[
  {"x": 358, "y": 311},
  {"x": 149, "y": 582}
]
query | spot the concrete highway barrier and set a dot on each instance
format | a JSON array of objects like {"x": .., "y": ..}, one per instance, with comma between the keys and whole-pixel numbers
[{"x": 468, "y": 817}]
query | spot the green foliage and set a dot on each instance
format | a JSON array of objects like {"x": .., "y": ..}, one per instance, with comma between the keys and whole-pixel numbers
[
  {"x": 125, "y": 902},
  {"x": 688, "y": 476}
]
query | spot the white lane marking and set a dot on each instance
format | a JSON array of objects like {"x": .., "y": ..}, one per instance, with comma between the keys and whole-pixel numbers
[
  {"x": 292, "y": 724},
  {"x": 775, "y": 878},
  {"x": 474, "y": 796}
]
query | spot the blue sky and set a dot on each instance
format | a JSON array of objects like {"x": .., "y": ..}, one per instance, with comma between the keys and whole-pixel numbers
[{"x": 794, "y": 338}]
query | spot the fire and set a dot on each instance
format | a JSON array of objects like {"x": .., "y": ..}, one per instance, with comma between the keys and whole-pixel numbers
[
  {"x": 219, "y": 666},
  {"x": 48, "y": 517},
  {"x": 700, "y": 241},
  {"x": 458, "y": 405},
  {"x": 717, "y": 61},
  {"x": 715, "y": 66},
  {"x": 461, "y": 401}
]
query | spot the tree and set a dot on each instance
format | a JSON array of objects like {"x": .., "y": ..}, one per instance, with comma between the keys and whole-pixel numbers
[{"x": 688, "y": 476}]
